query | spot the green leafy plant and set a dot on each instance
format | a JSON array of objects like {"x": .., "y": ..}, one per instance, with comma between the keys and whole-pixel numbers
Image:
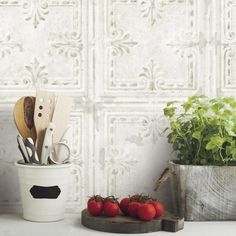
[{"x": 203, "y": 131}]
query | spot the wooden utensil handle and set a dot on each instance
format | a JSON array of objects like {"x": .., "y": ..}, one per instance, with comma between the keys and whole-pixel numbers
[{"x": 39, "y": 143}]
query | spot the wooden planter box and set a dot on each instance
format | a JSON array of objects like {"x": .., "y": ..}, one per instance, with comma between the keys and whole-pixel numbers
[{"x": 202, "y": 193}]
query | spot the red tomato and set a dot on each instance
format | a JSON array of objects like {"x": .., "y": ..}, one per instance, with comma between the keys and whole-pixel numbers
[
  {"x": 146, "y": 212},
  {"x": 133, "y": 208},
  {"x": 95, "y": 206},
  {"x": 124, "y": 205},
  {"x": 159, "y": 208},
  {"x": 111, "y": 209}
]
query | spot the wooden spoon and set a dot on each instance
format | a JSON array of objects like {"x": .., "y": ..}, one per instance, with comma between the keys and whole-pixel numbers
[{"x": 24, "y": 117}]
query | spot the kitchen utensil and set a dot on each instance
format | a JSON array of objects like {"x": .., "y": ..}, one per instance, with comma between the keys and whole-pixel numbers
[
  {"x": 32, "y": 154},
  {"x": 47, "y": 143},
  {"x": 44, "y": 107},
  {"x": 49, "y": 150},
  {"x": 22, "y": 154},
  {"x": 63, "y": 153},
  {"x": 24, "y": 117},
  {"x": 61, "y": 116},
  {"x": 22, "y": 149}
]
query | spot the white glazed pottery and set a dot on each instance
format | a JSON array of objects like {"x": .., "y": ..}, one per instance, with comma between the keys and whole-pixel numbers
[{"x": 43, "y": 190}]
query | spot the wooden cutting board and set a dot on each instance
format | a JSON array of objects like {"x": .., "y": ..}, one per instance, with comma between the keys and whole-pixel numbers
[{"x": 129, "y": 225}]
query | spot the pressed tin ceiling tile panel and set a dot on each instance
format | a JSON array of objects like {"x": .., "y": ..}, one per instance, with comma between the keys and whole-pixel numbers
[
  {"x": 152, "y": 48},
  {"x": 130, "y": 150},
  {"x": 43, "y": 44},
  {"x": 227, "y": 44}
]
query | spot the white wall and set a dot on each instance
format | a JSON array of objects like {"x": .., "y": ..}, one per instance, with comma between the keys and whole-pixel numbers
[{"x": 122, "y": 60}]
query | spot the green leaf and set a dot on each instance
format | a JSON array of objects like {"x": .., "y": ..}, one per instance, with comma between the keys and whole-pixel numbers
[
  {"x": 172, "y": 137},
  {"x": 216, "y": 157},
  {"x": 227, "y": 113},
  {"x": 169, "y": 111},
  {"x": 197, "y": 135},
  {"x": 234, "y": 155},
  {"x": 230, "y": 132},
  {"x": 187, "y": 106},
  {"x": 175, "y": 125},
  {"x": 215, "y": 142},
  {"x": 217, "y": 106},
  {"x": 230, "y": 101}
]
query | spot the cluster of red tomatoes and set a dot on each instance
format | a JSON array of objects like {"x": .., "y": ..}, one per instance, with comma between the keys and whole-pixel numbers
[{"x": 139, "y": 206}]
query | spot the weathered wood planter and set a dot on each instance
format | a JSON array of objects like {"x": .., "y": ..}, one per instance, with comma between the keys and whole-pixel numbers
[{"x": 202, "y": 193}]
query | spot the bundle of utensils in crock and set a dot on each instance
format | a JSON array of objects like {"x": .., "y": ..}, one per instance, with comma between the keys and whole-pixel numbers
[{"x": 42, "y": 122}]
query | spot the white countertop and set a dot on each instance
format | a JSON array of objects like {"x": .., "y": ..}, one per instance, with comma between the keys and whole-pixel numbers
[{"x": 14, "y": 225}]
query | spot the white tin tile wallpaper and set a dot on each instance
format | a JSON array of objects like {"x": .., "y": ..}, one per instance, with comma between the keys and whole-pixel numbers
[{"x": 121, "y": 60}]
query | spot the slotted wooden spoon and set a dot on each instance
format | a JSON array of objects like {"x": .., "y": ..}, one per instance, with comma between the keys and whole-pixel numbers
[{"x": 24, "y": 117}]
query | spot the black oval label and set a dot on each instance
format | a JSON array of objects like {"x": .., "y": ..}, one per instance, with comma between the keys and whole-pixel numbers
[{"x": 40, "y": 192}]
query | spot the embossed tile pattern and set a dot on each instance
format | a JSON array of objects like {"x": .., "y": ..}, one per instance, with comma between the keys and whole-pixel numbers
[{"x": 121, "y": 60}]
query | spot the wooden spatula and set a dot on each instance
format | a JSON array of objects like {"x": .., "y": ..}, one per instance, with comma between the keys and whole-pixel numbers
[
  {"x": 44, "y": 107},
  {"x": 24, "y": 117},
  {"x": 61, "y": 117}
]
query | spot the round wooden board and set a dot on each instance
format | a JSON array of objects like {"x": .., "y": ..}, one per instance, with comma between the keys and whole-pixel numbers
[{"x": 129, "y": 225}]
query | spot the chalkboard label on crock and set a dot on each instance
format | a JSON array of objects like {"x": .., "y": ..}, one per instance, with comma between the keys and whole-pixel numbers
[{"x": 42, "y": 192}]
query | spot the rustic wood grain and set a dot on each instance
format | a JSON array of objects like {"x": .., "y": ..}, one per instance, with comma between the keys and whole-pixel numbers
[
  {"x": 23, "y": 117},
  {"x": 129, "y": 225},
  {"x": 29, "y": 103},
  {"x": 203, "y": 193}
]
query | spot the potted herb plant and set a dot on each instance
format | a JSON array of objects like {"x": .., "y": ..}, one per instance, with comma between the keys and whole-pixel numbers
[{"x": 202, "y": 132}]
